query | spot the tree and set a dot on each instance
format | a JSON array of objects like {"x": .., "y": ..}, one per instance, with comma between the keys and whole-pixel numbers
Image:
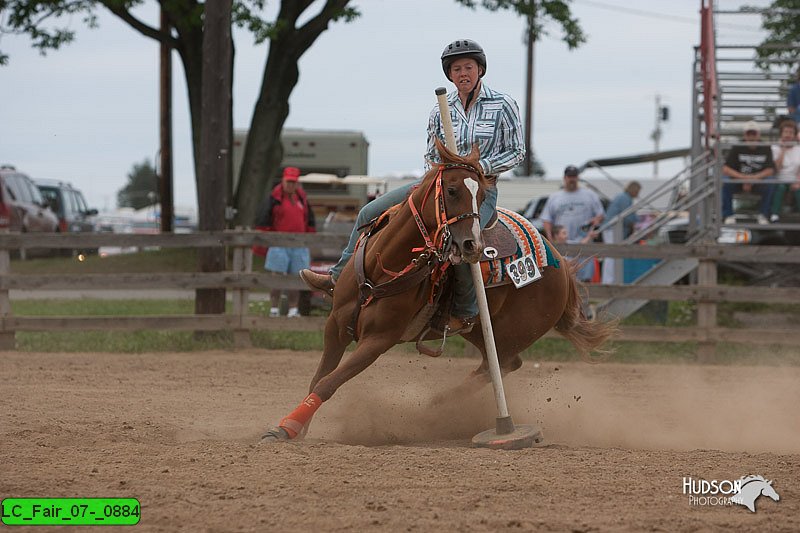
[
  {"x": 537, "y": 169},
  {"x": 288, "y": 42},
  {"x": 537, "y": 14},
  {"x": 289, "y": 39},
  {"x": 781, "y": 20},
  {"x": 142, "y": 187}
]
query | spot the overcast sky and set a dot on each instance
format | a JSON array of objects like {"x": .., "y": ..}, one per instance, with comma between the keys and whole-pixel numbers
[{"x": 88, "y": 112}]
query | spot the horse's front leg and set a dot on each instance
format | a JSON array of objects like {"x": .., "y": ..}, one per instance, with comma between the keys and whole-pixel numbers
[
  {"x": 367, "y": 352},
  {"x": 336, "y": 340}
]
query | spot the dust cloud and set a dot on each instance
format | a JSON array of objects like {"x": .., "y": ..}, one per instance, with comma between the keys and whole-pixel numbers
[{"x": 658, "y": 407}]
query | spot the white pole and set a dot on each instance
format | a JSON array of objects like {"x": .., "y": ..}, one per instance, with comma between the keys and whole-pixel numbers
[{"x": 477, "y": 278}]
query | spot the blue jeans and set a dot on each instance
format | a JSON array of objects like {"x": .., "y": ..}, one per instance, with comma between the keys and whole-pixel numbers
[
  {"x": 372, "y": 210},
  {"x": 730, "y": 186},
  {"x": 465, "y": 304}
]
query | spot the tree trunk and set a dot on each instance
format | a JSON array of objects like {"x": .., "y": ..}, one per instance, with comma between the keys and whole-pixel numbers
[
  {"x": 263, "y": 151},
  {"x": 215, "y": 144},
  {"x": 192, "y": 60}
]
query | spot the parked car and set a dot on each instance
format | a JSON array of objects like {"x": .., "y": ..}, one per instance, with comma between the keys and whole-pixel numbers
[
  {"x": 69, "y": 205},
  {"x": 533, "y": 211},
  {"x": 22, "y": 207}
]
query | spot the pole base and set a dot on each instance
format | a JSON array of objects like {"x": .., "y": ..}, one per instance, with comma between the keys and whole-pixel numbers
[{"x": 522, "y": 436}]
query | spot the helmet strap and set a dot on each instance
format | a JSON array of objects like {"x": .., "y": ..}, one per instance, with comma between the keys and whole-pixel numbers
[{"x": 471, "y": 95}]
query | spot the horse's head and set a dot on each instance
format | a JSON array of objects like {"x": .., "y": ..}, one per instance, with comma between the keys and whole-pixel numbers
[{"x": 462, "y": 192}]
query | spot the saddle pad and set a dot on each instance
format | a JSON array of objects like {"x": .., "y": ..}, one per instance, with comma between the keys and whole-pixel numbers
[{"x": 528, "y": 242}]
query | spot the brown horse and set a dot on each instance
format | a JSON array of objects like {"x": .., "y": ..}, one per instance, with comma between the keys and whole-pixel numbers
[{"x": 437, "y": 224}]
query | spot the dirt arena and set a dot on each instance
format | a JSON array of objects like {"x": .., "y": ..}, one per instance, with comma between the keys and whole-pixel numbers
[{"x": 180, "y": 433}]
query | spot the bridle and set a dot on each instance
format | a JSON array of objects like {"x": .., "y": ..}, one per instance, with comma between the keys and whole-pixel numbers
[{"x": 439, "y": 245}]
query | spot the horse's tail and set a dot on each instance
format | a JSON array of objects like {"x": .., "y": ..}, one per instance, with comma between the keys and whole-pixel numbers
[{"x": 587, "y": 335}]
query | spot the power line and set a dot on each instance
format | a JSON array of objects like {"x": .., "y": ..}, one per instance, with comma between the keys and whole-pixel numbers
[{"x": 659, "y": 16}]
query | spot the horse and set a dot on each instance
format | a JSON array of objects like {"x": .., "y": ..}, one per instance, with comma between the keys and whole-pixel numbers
[
  {"x": 751, "y": 488},
  {"x": 395, "y": 274}
]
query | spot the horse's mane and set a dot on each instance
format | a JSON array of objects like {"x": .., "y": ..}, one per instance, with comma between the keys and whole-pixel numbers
[{"x": 451, "y": 158}]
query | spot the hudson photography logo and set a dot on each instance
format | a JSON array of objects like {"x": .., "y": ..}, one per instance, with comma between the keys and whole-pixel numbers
[{"x": 743, "y": 491}]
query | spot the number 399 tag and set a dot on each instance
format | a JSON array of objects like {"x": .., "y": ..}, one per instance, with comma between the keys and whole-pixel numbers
[{"x": 523, "y": 271}]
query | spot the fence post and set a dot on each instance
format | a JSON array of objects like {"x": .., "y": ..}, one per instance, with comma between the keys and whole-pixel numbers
[
  {"x": 242, "y": 263},
  {"x": 706, "y": 310},
  {"x": 7, "y": 337}
]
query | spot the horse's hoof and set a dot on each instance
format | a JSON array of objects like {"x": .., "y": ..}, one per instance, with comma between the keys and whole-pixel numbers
[{"x": 275, "y": 434}]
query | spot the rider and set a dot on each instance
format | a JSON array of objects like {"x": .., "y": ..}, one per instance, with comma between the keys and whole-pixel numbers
[{"x": 480, "y": 115}]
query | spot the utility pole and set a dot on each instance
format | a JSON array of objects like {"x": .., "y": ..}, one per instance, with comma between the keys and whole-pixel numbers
[
  {"x": 530, "y": 37},
  {"x": 165, "y": 179},
  {"x": 662, "y": 115}
]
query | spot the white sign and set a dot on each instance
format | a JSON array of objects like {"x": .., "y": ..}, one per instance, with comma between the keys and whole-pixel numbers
[{"x": 523, "y": 271}]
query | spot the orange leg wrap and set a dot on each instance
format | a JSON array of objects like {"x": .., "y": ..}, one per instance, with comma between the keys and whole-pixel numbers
[{"x": 293, "y": 422}]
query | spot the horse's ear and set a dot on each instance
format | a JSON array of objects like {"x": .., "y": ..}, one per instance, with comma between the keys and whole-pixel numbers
[{"x": 444, "y": 153}]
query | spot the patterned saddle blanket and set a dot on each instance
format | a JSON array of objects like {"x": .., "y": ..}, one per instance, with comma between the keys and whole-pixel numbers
[{"x": 513, "y": 236}]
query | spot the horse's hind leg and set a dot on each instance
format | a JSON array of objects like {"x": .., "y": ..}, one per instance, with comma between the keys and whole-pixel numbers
[{"x": 479, "y": 377}]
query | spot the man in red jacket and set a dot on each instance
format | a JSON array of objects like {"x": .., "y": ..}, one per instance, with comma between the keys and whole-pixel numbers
[{"x": 286, "y": 209}]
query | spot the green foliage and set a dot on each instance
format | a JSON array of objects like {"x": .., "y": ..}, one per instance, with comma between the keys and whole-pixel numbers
[
  {"x": 781, "y": 20},
  {"x": 539, "y": 13},
  {"x": 536, "y": 165},
  {"x": 33, "y": 18},
  {"x": 142, "y": 187}
]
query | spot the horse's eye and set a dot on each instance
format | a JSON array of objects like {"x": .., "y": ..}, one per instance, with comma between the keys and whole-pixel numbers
[{"x": 451, "y": 191}]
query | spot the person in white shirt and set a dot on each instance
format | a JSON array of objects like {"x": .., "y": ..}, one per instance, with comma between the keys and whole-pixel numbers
[{"x": 787, "y": 160}]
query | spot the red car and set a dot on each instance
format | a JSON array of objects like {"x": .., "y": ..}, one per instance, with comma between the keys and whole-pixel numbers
[{"x": 22, "y": 207}]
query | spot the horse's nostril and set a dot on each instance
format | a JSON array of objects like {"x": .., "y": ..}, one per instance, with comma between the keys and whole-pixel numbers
[{"x": 469, "y": 246}]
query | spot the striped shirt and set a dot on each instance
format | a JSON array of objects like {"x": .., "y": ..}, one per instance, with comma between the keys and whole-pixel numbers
[{"x": 492, "y": 121}]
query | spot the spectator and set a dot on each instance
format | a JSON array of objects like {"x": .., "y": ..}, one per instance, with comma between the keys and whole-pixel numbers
[
  {"x": 793, "y": 99},
  {"x": 560, "y": 236},
  {"x": 286, "y": 209},
  {"x": 787, "y": 160},
  {"x": 748, "y": 161},
  {"x": 620, "y": 203},
  {"x": 578, "y": 210}
]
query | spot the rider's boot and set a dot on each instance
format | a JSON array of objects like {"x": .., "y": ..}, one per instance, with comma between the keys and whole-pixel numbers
[
  {"x": 459, "y": 325},
  {"x": 318, "y": 282}
]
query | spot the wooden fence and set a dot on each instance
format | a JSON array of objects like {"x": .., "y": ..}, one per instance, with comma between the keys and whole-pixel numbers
[{"x": 240, "y": 281}]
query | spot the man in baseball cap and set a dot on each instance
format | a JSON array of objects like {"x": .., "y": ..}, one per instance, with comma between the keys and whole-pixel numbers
[
  {"x": 286, "y": 209},
  {"x": 749, "y": 161},
  {"x": 291, "y": 174}
]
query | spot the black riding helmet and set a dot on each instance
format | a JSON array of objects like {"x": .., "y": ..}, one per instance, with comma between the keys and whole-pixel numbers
[{"x": 461, "y": 49}]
